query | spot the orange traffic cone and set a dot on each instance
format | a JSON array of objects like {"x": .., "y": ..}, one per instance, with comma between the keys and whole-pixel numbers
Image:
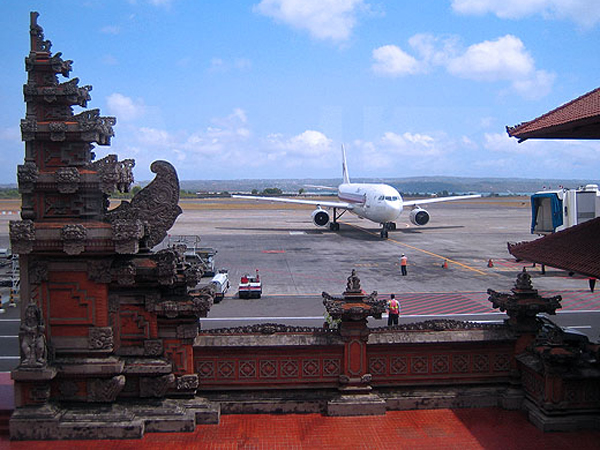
[
  {"x": 445, "y": 265},
  {"x": 490, "y": 263},
  {"x": 11, "y": 300}
]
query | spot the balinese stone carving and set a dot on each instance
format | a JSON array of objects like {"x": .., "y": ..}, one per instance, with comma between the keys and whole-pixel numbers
[
  {"x": 114, "y": 174},
  {"x": 38, "y": 43},
  {"x": 524, "y": 304},
  {"x": 74, "y": 238},
  {"x": 67, "y": 180},
  {"x": 266, "y": 328},
  {"x": 124, "y": 273},
  {"x": 99, "y": 270},
  {"x": 155, "y": 205},
  {"x": 353, "y": 283},
  {"x": 113, "y": 307},
  {"x": 105, "y": 389},
  {"x": 38, "y": 272},
  {"x": 22, "y": 236},
  {"x": 187, "y": 331},
  {"x": 34, "y": 353},
  {"x": 156, "y": 386},
  {"x": 153, "y": 347},
  {"x": 100, "y": 338},
  {"x": 167, "y": 261},
  {"x": 58, "y": 131},
  {"x": 95, "y": 128},
  {"x": 28, "y": 129},
  {"x": 127, "y": 235},
  {"x": 188, "y": 382},
  {"x": 27, "y": 175}
]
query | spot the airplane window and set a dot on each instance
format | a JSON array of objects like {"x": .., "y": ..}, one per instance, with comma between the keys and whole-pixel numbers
[
  {"x": 394, "y": 198},
  {"x": 380, "y": 198},
  {"x": 388, "y": 198}
]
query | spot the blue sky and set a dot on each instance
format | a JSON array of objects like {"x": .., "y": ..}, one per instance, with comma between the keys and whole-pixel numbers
[{"x": 271, "y": 89}]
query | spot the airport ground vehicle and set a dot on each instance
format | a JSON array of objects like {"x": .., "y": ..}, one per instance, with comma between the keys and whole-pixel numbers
[
  {"x": 221, "y": 284},
  {"x": 203, "y": 256},
  {"x": 250, "y": 286},
  {"x": 555, "y": 210}
]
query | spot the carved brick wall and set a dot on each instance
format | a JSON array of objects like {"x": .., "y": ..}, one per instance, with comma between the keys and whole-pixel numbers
[
  {"x": 405, "y": 364},
  {"x": 219, "y": 368}
]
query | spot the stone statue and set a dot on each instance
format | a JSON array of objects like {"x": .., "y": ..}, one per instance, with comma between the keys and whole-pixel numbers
[
  {"x": 33, "y": 340},
  {"x": 523, "y": 282},
  {"x": 353, "y": 284}
]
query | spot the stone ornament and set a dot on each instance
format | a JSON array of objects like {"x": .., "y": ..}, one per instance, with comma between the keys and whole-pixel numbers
[
  {"x": 155, "y": 205},
  {"x": 22, "y": 236},
  {"x": 74, "y": 238},
  {"x": 100, "y": 338},
  {"x": 105, "y": 389},
  {"x": 34, "y": 352},
  {"x": 67, "y": 180}
]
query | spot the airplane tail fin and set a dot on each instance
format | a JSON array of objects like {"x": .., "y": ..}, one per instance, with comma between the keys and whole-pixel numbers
[{"x": 345, "y": 176}]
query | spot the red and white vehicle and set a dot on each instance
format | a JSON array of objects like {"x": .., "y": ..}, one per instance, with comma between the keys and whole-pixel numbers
[{"x": 250, "y": 286}]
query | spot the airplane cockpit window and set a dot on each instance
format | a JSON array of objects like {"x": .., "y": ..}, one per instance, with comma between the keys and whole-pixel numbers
[{"x": 380, "y": 198}]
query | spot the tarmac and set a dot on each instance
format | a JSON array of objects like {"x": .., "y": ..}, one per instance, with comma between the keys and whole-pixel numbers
[{"x": 452, "y": 262}]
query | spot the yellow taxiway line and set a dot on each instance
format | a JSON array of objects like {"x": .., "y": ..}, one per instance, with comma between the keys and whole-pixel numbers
[{"x": 435, "y": 255}]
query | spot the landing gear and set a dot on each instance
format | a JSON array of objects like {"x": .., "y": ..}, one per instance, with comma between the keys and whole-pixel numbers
[
  {"x": 334, "y": 225},
  {"x": 386, "y": 227}
]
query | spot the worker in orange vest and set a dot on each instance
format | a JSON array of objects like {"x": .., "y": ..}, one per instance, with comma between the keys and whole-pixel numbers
[
  {"x": 393, "y": 311},
  {"x": 403, "y": 264}
]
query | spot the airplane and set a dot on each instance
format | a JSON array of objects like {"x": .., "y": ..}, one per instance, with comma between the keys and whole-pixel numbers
[{"x": 379, "y": 203}]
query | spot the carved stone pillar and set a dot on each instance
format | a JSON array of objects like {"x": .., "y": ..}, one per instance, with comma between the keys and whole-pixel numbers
[{"x": 355, "y": 389}]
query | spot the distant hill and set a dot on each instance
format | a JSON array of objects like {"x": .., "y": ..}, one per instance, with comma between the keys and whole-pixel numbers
[{"x": 426, "y": 185}]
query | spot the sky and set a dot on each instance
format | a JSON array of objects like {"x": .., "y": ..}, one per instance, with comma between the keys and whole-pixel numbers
[{"x": 236, "y": 89}]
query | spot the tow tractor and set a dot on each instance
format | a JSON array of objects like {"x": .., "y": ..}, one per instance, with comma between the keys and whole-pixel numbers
[{"x": 250, "y": 286}]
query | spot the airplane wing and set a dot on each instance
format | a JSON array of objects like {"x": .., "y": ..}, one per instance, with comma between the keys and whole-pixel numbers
[
  {"x": 439, "y": 199},
  {"x": 316, "y": 186},
  {"x": 326, "y": 204}
]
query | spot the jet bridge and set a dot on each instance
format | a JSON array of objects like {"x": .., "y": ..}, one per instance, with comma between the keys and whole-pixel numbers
[{"x": 555, "y": 210}]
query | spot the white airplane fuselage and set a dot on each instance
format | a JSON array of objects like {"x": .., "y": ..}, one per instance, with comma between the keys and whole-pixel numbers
[{"x": 379, "y": 203}]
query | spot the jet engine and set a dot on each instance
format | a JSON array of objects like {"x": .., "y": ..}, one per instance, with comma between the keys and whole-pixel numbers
[
  {"x": 419, "y": 216},
  {"x": 320, "y": 217}
]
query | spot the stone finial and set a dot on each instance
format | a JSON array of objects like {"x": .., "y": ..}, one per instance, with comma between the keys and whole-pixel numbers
[{"x": 353, "y": 284}]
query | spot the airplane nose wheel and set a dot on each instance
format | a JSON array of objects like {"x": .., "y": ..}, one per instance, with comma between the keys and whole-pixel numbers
[{"x": 334, "y": 226}]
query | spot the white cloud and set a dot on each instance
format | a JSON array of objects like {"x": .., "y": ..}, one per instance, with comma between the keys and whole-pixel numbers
[
  {"x": 323, "y": 19},
  {"x": 393, "y": 61},
  {"x": 502, "y": 143},
  {"x": 503, "y": 59},
  {"x": 111, "y": 29},
  {"x": 154, "y": 137},
  {"x": 309, "y": 144},
  {"x": 222, "y": 65},
  {"x": 125, "y": 108},
  {"x": 585, "y": 13}
]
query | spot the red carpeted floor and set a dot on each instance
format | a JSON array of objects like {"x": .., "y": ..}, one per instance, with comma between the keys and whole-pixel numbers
[{"x": 486, "y": 428}]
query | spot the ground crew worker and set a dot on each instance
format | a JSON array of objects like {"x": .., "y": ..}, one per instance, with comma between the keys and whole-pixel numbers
[
  {"x": 393, "y": 311},
  {"x": 403, "y": 263}
]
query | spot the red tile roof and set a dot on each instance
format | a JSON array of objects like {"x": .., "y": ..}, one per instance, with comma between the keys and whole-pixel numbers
[
  {"x": 578, "y": 119},
  {"x": 576, "y": 249}
]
